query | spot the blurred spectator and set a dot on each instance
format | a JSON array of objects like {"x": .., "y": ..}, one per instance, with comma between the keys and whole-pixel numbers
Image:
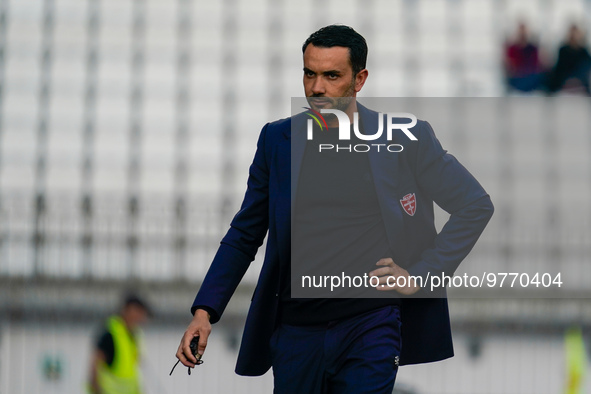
[
  {"x": 576, "y": 361},
  {"x": 572, "y": 69},
  {"x": 115, "y": 360},
  {"x": 523, "y": 69}
]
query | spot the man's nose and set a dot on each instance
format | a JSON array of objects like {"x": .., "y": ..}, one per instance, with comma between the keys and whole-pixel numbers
[{"x": 318, "y": 86}]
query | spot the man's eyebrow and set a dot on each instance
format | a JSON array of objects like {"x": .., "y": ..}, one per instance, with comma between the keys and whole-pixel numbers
[{"x": 330, "y": 72}]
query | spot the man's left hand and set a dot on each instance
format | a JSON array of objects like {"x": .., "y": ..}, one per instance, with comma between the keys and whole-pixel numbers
[{"x": 395, "y": 272}]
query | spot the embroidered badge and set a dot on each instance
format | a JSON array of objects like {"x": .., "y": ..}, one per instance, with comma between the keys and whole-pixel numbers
[{"x": 409, "y": 203}]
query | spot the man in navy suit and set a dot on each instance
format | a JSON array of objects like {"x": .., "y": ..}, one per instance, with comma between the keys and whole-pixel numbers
[{"x": 317, "y": 345}]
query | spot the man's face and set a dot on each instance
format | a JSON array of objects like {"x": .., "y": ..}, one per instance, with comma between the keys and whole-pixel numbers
[
  {"x": 134, "y": 315},
  {"x": 328, "y": 78}
]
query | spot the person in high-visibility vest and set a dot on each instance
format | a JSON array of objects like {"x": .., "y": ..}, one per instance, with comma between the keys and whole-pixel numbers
[
  {"x": 116, "y": 357},
  {"x": 576, "y": 361}
]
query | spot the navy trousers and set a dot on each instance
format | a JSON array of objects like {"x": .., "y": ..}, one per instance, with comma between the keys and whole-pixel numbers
[{"x": 353, "y": 355}]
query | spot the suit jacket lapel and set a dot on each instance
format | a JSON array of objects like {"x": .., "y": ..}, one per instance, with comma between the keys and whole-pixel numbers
[
  {"x": 384, "y": 167},
  {"x": 296, "y": 143},
  {"x": 289, "y": 155}
]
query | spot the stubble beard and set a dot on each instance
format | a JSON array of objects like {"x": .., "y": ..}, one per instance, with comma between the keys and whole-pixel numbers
[{"x": 340, "y": 103}]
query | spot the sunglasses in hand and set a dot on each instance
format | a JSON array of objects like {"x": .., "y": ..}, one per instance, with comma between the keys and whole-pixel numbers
[{"x": 193, "y": 347}]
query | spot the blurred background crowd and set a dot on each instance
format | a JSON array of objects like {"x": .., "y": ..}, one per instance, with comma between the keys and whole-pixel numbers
[
  {"x": 127, "y": 128},
  {"x": 528, "y": 68}
]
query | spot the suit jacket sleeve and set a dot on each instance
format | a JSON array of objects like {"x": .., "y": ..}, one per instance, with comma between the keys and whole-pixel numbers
[
  {"x": 240, "y": 244},
  {"x": 455, "y": 190}
]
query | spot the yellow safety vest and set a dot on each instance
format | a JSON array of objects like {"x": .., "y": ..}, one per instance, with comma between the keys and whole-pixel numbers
[
  {"x": 576, "y": 361},
  {"x": 123, "y": 375}
]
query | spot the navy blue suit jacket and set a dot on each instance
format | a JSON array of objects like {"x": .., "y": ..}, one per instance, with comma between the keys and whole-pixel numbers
[{"x": 423, "y": 168}]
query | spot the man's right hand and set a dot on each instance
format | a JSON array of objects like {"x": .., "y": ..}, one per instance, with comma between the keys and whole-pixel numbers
[{"x": 199, "y": 326}]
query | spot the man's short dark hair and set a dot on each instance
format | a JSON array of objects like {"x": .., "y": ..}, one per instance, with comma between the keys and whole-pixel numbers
[{"x": 341, "y": 36}]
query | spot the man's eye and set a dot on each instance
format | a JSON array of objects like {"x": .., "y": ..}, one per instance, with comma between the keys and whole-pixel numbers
[
  {"x": 309, "y": 74},
  {"x": 332, "y": 76}
]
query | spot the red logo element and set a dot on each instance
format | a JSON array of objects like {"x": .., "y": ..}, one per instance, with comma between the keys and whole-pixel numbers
[{"x": 409, "y": 203}]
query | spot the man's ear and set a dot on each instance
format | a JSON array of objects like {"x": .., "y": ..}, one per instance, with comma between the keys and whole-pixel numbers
[{"x": 360, "y": 79}]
